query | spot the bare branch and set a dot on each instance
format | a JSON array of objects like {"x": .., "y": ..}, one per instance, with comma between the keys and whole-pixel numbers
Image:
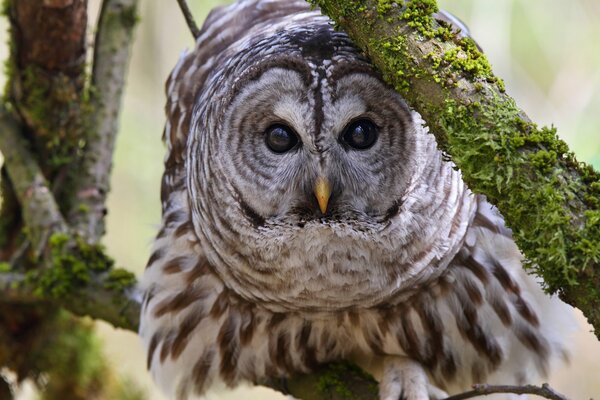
[
  {"x": 189, "y": 18},
  {"x": 111, "y": 55},
  {"x": 483, "y": 390},
  {"x": 40, "y": 211}
]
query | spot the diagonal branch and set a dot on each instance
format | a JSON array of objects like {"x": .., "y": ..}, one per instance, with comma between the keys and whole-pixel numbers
[
  {"x": 549, "y": 199},
  {"x": 111, "y": 55},
  {"x": 40, "y": 211}
]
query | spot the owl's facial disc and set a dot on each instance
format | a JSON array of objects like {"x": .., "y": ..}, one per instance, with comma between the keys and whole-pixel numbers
[{"x": 315, "y": 145}]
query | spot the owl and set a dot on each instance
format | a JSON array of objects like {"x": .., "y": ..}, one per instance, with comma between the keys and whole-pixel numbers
[{"x": 308, "y": 217}]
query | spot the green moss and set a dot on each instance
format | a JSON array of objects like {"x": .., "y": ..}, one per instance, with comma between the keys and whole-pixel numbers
[
  {"x": 465, "y": 59},
  {"x": 52, "y": 106},
  {"x": 418, "y": 14},
  {"x": 83, "y": 208},
  {"x": 335, "y": 378},
  {"x": 518, "y": 170},
  {"x": 384, "y": 6},
  {"x": 129, "y": 17},
  {"x": 543, "y": 160},
  {"x": 120, "y": 279},
  {"x": 5, "y": 267},
  {"x": 74, "y": 263},
  {"x": 395, "y": 53}
]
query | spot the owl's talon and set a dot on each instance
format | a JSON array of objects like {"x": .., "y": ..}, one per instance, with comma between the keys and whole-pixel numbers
[{"x": 405, "y": 379}]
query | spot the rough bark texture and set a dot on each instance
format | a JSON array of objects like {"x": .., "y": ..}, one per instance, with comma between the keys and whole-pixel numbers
[
  {"x": 47, "y": 79},
  {"x": 549, "y": 199}
]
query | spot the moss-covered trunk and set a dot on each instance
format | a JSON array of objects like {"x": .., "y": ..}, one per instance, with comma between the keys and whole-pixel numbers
[{"x": 549, "y": 199}]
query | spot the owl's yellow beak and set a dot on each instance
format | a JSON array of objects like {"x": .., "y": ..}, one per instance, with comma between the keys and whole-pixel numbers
[{"x": 322, "y": 192}]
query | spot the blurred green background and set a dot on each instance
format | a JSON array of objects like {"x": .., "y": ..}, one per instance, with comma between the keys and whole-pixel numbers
[{"x": 547, "y": 51}]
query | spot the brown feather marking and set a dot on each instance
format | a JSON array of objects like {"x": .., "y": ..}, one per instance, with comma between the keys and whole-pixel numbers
[
  {"x": 188, "y": 325},
  {"x": 505, "y": 280},
  {"x": 526, "y": 311},
  {"x": 166, "y": 346},
  {"x": 354, "y": 318},
  {"x": 200, "y": 269},
  {"x": 175, "y": 265},
  {"x": 220, "y": 305},
  {"x": 201, "y": 369},
  {"x": 274, "y": 321},
  {"x": 173, "y": 217},
  {"x": 411, "y": 344},
  {"x": 433, "y": 326},
  {"x": 533, "y": 341},
  {"x": 373, "y": 338},
  {"x": 228, "y": 343},
  {"x": 448, "y": 366},
  {"x": 307, "y": 351},
  {"x": 477, "y": 268},
  {"x": 181, "y": 300},
  {"x": 156, "y": 254},
  {"x": 183, "y": 229},
  {"x": 247, "y": 326},
  {"x": 161, "y": 233},
  {"x": 152, "y": 348},
  {"x": 501, "y": 309},
  {"x": 282, "y": 356},
  {"x": 149, "y": 295},
  {"x": 467, "y": 323},
  {"x": 472, "y": 291},
  {"x": 384, "y": 315}
]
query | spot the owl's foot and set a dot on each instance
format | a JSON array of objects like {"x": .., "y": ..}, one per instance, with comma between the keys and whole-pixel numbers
[{"x": 405, "y": 379}]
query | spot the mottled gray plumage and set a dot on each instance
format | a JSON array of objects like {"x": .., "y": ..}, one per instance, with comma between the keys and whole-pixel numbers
[{"x": 250, "y": 279}]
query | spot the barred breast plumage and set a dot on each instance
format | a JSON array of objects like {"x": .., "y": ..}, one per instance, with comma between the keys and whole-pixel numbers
[{"x": 308, "y": 217}]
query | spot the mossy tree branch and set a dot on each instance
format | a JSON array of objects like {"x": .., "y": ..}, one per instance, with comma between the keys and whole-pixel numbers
[
  {"x": 57, "y": 140},
  {"x": 39, "y": 209},
  {"x": 549, "y": 199}
]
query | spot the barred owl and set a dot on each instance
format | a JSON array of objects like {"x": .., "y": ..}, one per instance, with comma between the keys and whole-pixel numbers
[{"x": 308, "y": 217}]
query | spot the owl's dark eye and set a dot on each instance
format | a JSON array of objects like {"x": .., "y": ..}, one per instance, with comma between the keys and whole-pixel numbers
[
  {"x": 360, "y": 134},
  {"x": 281, "y": 138}
]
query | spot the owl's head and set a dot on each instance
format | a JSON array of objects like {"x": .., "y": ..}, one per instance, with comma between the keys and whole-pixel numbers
[
  {"x": 303, "y": 163},
  {"x": 306, "y": 132}
]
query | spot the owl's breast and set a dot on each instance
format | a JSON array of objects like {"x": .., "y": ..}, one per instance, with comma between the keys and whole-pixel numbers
[{"x": 327, "y": 265}]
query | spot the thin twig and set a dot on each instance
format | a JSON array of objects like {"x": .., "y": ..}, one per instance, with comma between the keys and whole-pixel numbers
[
  {"x": 111, "y": 55},
  {"x": 189, "y": 18},
  {"x": 40, "y": 211},
  {"x": 483, "y": 390}
]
